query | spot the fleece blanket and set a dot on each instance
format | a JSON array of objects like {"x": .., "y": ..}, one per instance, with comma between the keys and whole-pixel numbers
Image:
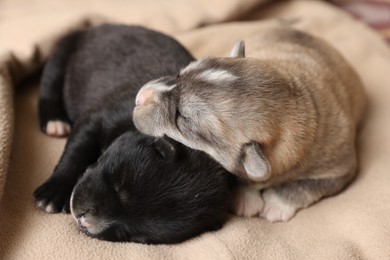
[
  {"x": 376, "y": 13},
  {"x": 352, "y": 225}
]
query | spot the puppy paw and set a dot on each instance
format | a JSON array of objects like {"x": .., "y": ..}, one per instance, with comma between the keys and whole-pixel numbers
[
  {"x": 247, "y": 202},
  {"x": 53, "y": 196},
  {"x": 276, "y": 208},
  {"x": 57, "y": 128}
]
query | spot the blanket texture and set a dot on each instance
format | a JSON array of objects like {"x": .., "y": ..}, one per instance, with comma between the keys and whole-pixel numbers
[
  {"x": 352, "y": 225},
  {"x": 375, "y": 13}
]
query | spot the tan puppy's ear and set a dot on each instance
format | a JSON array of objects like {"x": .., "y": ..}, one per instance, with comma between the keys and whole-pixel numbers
[
  {"x": 238, "y": 50},
  {"x": 254, "y": 162}
]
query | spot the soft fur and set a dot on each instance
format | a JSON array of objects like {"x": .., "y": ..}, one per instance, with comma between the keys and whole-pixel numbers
[
  {"x": 284, "y": 118},
  {"x": 126, "y": 186}
]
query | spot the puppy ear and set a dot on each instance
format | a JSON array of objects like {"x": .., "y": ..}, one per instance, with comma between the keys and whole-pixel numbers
[
  {"x": 254, "y": 162},
  {"x": 165, "y": 147},
  {"x": 238, "y": 50}
]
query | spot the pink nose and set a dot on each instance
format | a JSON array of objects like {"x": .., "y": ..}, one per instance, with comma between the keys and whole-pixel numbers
[{"x": 144, "y": 97}]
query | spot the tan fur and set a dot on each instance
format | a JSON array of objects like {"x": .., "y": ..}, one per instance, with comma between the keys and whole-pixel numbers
[{"x": 295, "y": 98}]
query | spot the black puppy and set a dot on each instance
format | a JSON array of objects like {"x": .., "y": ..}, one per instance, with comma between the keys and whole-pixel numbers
[{"x": 126, "y": 186}]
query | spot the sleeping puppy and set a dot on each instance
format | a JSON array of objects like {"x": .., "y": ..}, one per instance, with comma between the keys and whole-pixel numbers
[
  {"x": 119, "y": 184},
  {"x": 148, "y": 191},
  {"x": 284, "y": 118}
]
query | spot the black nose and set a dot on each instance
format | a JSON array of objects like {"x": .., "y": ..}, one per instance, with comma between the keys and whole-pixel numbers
[
  {"x": 91, "y": 211},
  {"x": 80, "y": 215}
]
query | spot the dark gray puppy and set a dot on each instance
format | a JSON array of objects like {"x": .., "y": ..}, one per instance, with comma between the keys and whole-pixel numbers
[{"x": 121, "y": 185}]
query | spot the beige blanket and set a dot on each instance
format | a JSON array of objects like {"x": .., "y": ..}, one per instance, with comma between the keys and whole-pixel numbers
[{"x": 353, "y": 225}]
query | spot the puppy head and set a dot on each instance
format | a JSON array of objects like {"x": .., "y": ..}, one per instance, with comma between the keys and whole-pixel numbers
[
  {"x": 149, "y": 190},
  {"x": 209, "y": 106}
]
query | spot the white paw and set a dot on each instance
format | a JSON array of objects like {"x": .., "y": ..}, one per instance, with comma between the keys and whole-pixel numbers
[
  {"x": 49, "y": 208},
  {"x": 275, "y": 208},
  {"x": 57, "y": 128},
  {"x": 247, "y": 202}
]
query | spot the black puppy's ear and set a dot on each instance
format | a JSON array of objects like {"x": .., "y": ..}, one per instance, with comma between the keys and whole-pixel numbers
[{"x": 166, "y": 148}]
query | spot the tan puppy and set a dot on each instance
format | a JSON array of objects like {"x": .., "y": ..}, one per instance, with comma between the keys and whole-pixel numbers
[{"x": 285, "y": 118}]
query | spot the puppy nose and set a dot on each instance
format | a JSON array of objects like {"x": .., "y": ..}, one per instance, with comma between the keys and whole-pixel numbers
[
  {"x": 82, "y": 221},
  {"x": 144, "y": 97}
]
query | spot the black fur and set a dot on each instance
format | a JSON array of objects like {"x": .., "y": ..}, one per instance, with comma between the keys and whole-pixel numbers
[
  {"x": 131, "y": 186},
  {"x": 149, "y": 198}
]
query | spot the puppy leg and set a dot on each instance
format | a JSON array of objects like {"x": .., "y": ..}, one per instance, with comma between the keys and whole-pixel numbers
[
  {"x": 82, "y": 149},
  {"x": 283, "y": 201},
  {"x": 247, "y": 201},
  {"x": 53, "y": 119}
]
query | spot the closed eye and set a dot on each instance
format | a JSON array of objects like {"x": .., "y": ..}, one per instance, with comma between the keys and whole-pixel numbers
[
  {"x": 112, "y": 180},
  {"x": 115, "y": 180},
  {"x": 181, "y": 121},
  {"x": 117, "y": 186},
  {"x": 123, "y": 196},
  {"x": 177, "y": 115}
]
